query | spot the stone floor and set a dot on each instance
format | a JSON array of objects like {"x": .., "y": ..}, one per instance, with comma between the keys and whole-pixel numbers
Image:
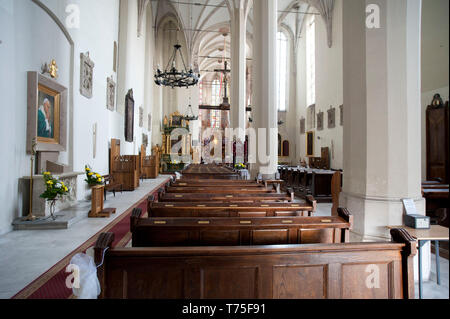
[{"x": 25, "y": 255}]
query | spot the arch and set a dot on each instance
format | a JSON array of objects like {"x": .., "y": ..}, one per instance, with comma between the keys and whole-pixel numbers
[{"x": 71, "y": 74}]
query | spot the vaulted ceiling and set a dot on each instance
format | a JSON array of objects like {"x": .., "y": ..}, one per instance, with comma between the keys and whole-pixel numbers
[{"x": 205, "y": 22}]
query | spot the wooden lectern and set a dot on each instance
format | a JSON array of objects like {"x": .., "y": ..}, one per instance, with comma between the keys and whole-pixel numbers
[{"x": 97, "y": 210}]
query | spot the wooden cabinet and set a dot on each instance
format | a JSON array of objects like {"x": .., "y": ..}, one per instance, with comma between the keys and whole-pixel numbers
[{"x": 437, "y": 143}]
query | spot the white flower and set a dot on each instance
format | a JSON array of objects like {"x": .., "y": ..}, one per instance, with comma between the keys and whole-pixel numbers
[{"x": 58, "y": 185}]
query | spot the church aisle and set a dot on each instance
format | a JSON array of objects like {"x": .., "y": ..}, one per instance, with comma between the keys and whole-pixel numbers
[{"x": 26, "y": 255}]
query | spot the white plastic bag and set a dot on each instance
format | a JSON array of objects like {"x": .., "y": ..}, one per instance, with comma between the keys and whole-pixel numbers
[
  {"x": 178, "y": 175},
  {"x": 89, "y": 286}
]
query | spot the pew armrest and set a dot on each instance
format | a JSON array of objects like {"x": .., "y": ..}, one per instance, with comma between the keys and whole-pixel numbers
[
  {"x": 310, "y": 200},
  {"x": 134, "y": 219},
  {"x": 400, "y": 235},
  {"x": 104, "y": 242},
  {"x": 290, "y": 192},
  {"x": 345, "y": 214}
]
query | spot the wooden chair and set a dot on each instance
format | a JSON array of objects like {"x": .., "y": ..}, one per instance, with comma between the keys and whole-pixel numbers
[{"x": 111, "y": 185}]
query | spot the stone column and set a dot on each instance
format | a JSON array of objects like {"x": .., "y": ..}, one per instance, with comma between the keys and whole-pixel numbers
[
  {"x": 382, "y": 114},
  {"x": 264, "y": 87},
  {"x": 238, "y": 71}
]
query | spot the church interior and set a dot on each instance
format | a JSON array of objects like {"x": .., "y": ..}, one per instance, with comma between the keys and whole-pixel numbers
[{"x": 224, "y": 149}]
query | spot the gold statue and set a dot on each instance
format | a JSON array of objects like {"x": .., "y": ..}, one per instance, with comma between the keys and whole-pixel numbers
[
  {"x": 53, "y": 69},
  {"x": 166, "y": 121}
]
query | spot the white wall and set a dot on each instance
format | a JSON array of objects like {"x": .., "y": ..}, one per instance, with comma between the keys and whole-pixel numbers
[
  {"x": 29, "y": 38},
  {"x": 329, "y": 88},
  {"x": 435, "y": 53}
]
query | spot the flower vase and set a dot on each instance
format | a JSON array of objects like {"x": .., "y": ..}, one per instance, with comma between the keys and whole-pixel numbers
[{"x": 52, "y": 207}]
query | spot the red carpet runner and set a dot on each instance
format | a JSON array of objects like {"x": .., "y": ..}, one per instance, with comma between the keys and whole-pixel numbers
[{"x": 52, "y": 284}]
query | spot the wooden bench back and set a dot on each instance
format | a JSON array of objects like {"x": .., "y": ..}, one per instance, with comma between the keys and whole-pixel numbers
[
  {"x": 162, "y": 232},
  {"x": 333, "y": 271}
]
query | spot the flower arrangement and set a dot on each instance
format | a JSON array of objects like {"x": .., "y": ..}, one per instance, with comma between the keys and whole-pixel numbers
[
  {"x": 93, "y": 178},
  {"x": 240, "y": 166},
  {"x": 54, "y": 187}
]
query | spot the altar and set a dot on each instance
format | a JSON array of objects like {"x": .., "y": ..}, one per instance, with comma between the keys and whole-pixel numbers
[{"x": 176, "y": 133}]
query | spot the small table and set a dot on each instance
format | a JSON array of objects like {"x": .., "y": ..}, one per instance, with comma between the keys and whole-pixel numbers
[{"x": 436, "y": 233}]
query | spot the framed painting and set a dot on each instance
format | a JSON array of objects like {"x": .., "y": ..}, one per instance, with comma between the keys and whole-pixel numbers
[
  {"x": 302, "y": 126},
  {"x": 129, "y": 117},
  {"x": 86, "y": 75},
  {"x": 320, "y": 121},
  {"x": 332, "y": 118},
  {"x": 47, "y": 114},
  {"x": 149, "y": 126},
  {"x": 110, "y": 94},
  {"x": 141, "y": 117},
  {"x": 310, "y": 144}
]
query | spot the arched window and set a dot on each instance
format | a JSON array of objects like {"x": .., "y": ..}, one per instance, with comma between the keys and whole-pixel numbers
[
  {"x": 215, "y": 92},
  {"x": 282, "y": 80},
  {"x": 311, "y": 62},
  {"x": 200, "y": 93}
]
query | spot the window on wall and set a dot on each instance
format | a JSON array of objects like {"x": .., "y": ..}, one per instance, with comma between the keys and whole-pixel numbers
[
  {"x": 311, "y": 62},
  {"x": 215, "y": 92},
  {"x": 200, "y": 93},
  {"x": 282, "y": 54},
  {"x": 215, "y": 118}
]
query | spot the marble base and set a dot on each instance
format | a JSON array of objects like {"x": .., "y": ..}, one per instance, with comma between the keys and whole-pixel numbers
[
  {"x": 41, "y": 207},
  {"x": 64, "y": 219}
]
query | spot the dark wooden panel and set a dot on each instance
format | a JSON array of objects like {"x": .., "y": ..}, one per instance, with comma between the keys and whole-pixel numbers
[
  {"x": 299, "y": 282},
  {"x": 229, "y": 282}
]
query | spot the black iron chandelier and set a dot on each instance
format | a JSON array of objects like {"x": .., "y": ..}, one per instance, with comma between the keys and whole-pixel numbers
[{"x": 172, "y": 77}]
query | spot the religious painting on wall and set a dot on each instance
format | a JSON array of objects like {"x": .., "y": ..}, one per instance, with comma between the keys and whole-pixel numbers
[
  {"x": 48, "y": 115},
  {"x": 145, "y": 140},
  {"x": 302, "y": 126},
  {"x": 311, "y": 117},
  {"x": 341, "y": 109},
  {"x": 310, "y": 144},
  {"x": 141, "y": 117},
  {"x": 332, "y": 118},
  {"x": 129, "y": 116},
  {"x": 110, "y": 94},
  {"x": 86, "y": 75},
  {"x": 320, "y": 121}
]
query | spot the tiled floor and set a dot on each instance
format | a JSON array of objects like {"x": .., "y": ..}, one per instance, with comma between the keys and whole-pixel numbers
[{"x": 25, "y": 255}]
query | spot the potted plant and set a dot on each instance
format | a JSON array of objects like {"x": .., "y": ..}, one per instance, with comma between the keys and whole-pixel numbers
[
  {"x": 93, "y": 178},
  {"x": 240, "y": 166},
  {"x": 54, "y": 189}
]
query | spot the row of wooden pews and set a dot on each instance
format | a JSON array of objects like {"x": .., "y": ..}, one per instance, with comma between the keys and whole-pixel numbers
[
  {"x": 215, "y": 243},
  {"x": 307, "y": 181}
]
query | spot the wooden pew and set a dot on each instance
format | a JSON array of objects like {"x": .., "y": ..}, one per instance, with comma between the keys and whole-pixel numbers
[
  {"x": 220, "y": 190},
  {"x": 226, "y": 184},
  {"x": 182, "y": 197},
  {"x": 217, "y": 182},
  {"x": 317, "y": 271},
  {"x": 230, "y": 209},
  {"x": 159, "y": 232}
]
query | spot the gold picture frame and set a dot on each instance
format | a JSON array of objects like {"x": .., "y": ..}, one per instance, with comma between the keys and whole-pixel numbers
[
  {"x": 53, "y": 99},
  {"x": 47, "y": 125}
]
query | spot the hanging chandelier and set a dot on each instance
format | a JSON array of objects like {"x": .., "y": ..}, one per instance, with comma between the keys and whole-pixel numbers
[
  {"x": 172, "y": 77},
  {"x": 190, "y": 115}
]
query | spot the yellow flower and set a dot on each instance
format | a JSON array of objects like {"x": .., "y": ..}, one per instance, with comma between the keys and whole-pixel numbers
[
  {"x": 66, "y": 189},
  {"x": 88, "y": 169},
  {"x": 90, "y": 174},
  {"x": 47, "y": 173},
  {"x": 99, "y": 180},
  {"x": 50, "y": 183},
  {"x": 98, "y": 175}
]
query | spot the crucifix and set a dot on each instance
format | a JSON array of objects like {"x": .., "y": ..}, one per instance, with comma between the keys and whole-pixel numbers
[{"x": 225, "y": 104}]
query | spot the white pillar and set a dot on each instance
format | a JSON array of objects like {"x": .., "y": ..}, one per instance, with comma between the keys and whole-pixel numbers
[
  {"x": 238, "y": 74},
  {"x": 264, "y": 86},
  {"x": 382, "y": 125}
]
